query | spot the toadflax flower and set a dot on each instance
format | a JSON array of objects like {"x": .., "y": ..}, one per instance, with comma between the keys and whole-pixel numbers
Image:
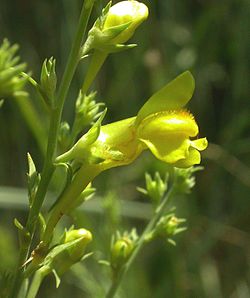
[{"x": 162, "y": 126}]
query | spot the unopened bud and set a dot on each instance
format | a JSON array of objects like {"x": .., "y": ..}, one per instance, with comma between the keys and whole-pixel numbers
[
  {"x": 122, "y": 248},
  {"x": 155, "y": 187},
  {"x": 48, "y": 80},
  {"x": 121, "y": 251},
  {"x": 125, "y": 12},
  {"x": 115, "y": 26}
]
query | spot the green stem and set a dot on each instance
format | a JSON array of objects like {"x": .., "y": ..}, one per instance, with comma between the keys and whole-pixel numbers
[
  {"x": 36, "y": 282},
  {"x": 96, "y": 63},
  {"x": 55, "y": 120},
  {"x": 83, "y": 177},
  {"x": 157, "y": 215}
]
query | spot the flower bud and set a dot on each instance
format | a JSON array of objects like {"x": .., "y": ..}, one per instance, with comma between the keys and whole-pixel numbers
[
  {"x": 48, "y": 80},
  {"x": 122, "y": 247},
  {"x": 155, "y": 188},
  {"x": 82, "y": 234},
  {"x": 167, "y": 226},
  {"x": 121, "y": 251},
  {"x": 82, "y": 238},
  {"x": 132, "y": 13},
  {"x": 70, "y": 251},
  {"x": 115, "y": 26},
  {"x": 61, "y": 257},
  {"x": 171, "y": 225}
]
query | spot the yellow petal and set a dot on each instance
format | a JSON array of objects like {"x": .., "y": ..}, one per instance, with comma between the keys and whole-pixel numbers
[
  {"x": 193, "y": 158},
  {"x": 164, "y": 123},
  {"x": 170, "y": 149},
  {"x": 200, "y": 144},
  {"x": 173, "y": 96}
]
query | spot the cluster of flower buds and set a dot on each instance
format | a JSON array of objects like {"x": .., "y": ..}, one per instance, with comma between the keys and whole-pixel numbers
[{"x": 11, "y": 80}]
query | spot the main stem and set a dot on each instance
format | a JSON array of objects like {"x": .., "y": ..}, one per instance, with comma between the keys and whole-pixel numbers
[
  {"x": 56, "y": 114},
  {"x": 159, "y": 212},
  {"x": 83, "y": 177}
]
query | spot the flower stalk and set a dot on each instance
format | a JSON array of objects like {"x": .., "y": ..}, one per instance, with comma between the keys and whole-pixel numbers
[{"x": 141, "y": 241}]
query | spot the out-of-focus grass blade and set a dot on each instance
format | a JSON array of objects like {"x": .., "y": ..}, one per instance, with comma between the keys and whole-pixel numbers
[{"x": 17, "y": 198}]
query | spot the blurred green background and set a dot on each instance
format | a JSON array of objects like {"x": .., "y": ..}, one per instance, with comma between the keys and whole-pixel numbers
[{"x": 210, "y": 38}]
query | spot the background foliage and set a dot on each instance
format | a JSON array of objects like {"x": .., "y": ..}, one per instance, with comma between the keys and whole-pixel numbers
[{"x": 211, "y": 38}]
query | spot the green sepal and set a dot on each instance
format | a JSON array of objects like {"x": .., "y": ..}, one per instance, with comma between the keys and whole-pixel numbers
[
  {"x": 113, "y": 32},
  {"x": 101, "y": 20},
  {"x": 118, "y": 47},
  {"x": 80, "y": 150},
  {"x": 92, "y": 135},
  {"x": 99, "y": 23},
  {"x": 102, "y": 39}
]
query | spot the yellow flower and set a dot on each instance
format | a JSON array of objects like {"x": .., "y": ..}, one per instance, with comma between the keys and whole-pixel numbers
[{"x": 162, "y": 126}]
